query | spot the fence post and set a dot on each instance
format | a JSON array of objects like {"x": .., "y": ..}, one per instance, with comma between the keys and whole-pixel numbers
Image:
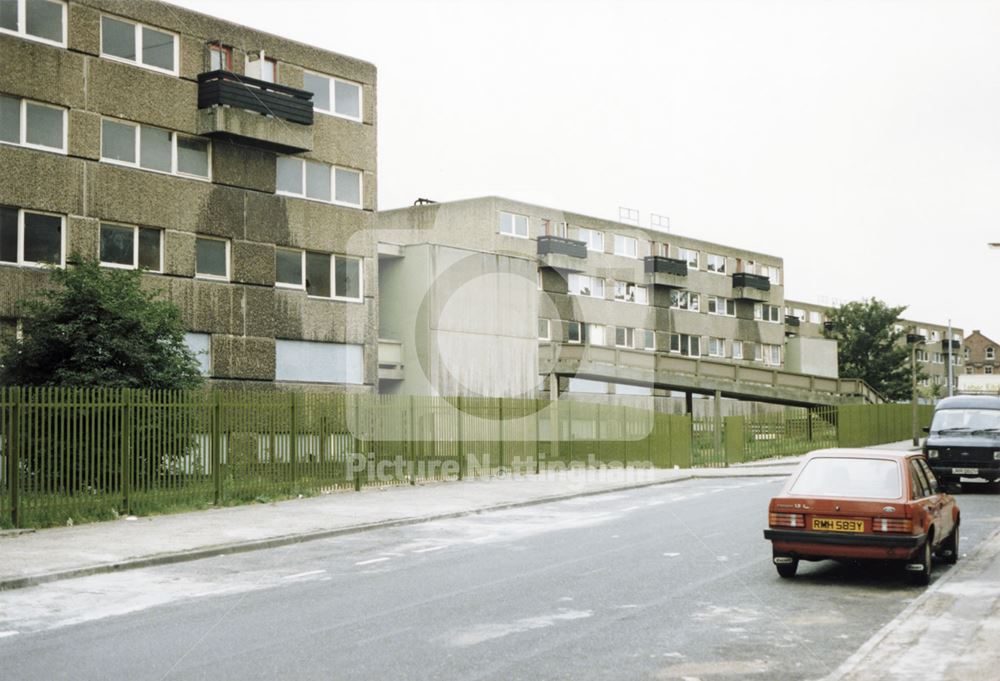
[
  {"x": 216, "y": 447},
  {"x": 717, "y": 434},
  {"x": 459, "y": 404},
  {"x": 14, "y": 455},
  {"x": 503, "y": 447},
  {"x": 127, "y": 438},
  {"x": 293, "y": 439},
  {"x": 412, "y": 409}
]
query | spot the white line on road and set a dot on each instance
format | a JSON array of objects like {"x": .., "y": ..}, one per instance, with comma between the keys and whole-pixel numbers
[
  {"x": 429, "y": 549},
  {"x": 304, "y": 574},
  {"x": 373, "y": 560},
  {"x": 5, "y": 634},
  {"x": 630, "y": 508}
]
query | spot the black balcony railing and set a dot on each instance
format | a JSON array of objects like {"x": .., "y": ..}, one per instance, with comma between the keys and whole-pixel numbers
[
  {"x": 792, "y": 320},
  {"x": 955, "y": 345},
  {"x": 557, "y": 245},
  {"x": 747, "y": 280},
  {"x": 659, "y": 264},
  {"x": 229, "y": 89}
]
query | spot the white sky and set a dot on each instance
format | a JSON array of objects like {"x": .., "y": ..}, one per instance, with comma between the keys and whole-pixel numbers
[{"x": 859, "y": 140}]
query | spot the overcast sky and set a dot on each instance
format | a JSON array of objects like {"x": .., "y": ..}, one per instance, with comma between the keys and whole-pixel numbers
[{"x": 860, "y": 141}]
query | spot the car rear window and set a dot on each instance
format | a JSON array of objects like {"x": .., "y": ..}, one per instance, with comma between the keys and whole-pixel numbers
[{"x": 864, "y": 478}]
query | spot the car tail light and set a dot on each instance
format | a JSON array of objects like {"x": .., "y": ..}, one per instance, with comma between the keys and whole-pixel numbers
[
  {"x": 786, "y": 520},
  {"x": 892, "y": 525}
]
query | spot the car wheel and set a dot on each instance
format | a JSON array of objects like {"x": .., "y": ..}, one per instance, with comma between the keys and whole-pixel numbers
[
  {"x": 921, "y": 577},
  {"x": 787, "y": 570},
  {"x": 948, "y": 552}
]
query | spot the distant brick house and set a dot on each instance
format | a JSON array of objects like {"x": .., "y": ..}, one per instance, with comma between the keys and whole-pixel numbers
[{"x": 982, "y": 354}]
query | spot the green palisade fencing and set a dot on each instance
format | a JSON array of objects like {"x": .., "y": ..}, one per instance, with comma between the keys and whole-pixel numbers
[{"x": 93, "y": 454}]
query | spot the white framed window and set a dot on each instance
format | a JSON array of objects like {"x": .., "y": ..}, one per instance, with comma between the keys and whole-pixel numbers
[
  {"x": 41, "y": 20},
  {"x": 737, "y": 348},
  {"x": 201, "y": 345},
  {"x": 627, "y": 246},
  {"x": 333, "y": 276},
  {"x": 767, "y": 313},
  {"x": 513, "y": 224},
  {"x": 685, "y": 300},
  {"x": 771, "y": 354},
  {"x": 155, "y": 149},
  {"x": 586, "y": 285},
  {"x": 318, "y": 362},
  {"x": 987, "y": 370},
  {"x": 772, "y": 273},
  {"x": 682, "y": 343},
  {"x": 211, "y": 258},
  {"x": 816, "y": 317},
  {"x": 716, "y": 347},
  {"x": 544, "y": 331},
  {"x": 318, "y": 181},
  {"x": 721, "y": 306},
  {"x": 596, "y": 334},
  {"x": 715, "y": 263},
  {"x": 289, "y": 268},
  {"x": 690, "y": 256},
  {"x": 573, "y": 332},
  {"x": 592, "y": 237},
  {"x": 991, "y": 353},
  {"x": 628, "y": 292},
  {"x": 32, "y": 238},
  {"x": 645, "y": 339},
  {"x": 131, "y": 247},
  {"x": 935, "y": 335},
  {"x": 127, "y": 41},
  {"x": 624, "y": 337},
  {"x": 32, "y": 124},
  {"x": 334, "y": 96}
]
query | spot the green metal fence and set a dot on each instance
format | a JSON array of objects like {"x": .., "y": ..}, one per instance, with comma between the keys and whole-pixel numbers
[{"x": 90, "y": 454}]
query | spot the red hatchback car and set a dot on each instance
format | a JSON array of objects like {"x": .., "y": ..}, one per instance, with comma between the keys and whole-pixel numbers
[{"x": 849, "y": 504}]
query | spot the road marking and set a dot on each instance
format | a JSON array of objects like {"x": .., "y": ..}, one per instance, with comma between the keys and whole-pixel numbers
[
  {"x": 373, "y": 560},
  {"x": 671, "y": 555},
  {"x": 5, "y": 634},
  {"x": 630, "y": 508},
  {"x": 429, "y": 549},
  {"x": 304, "y": 574}
]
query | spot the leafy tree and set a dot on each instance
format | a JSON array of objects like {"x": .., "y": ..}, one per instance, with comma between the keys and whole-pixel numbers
[
  {"x": 869, "y": 347},
  {"x": 97, "y": 327}
]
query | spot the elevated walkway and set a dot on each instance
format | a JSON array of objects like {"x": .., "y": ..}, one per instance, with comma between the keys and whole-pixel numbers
[{"x": 698, "y": 375}]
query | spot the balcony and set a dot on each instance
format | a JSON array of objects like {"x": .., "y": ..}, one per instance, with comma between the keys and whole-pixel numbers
[
  {"x": 390, "y": 360},
  {"x": 561, "y": 254},
  {"x": 792, "y": 324},
  {"x": 955, "y": 345},
  {"x": 754, "y": 287},
  {"x": 669, "y": 272},
  {"x": 248, "y": 110}
]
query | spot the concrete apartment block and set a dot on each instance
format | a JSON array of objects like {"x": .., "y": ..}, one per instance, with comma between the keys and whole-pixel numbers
[
  {"x": 237, "y": 167},
  {"x": 534, "y": 282},
  {"x": 807, "y": 320}
]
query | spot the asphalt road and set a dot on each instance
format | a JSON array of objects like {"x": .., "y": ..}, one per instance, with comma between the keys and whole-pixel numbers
[{"x": 669, "y": 582}]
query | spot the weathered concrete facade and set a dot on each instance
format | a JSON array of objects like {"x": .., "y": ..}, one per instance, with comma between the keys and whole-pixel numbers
[
  {"x": 598, "y": 283},
  {"x": 247, "y": 313}
]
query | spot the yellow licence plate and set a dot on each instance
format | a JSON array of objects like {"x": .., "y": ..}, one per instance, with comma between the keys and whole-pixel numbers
[{"x": 838, "y": 525}]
